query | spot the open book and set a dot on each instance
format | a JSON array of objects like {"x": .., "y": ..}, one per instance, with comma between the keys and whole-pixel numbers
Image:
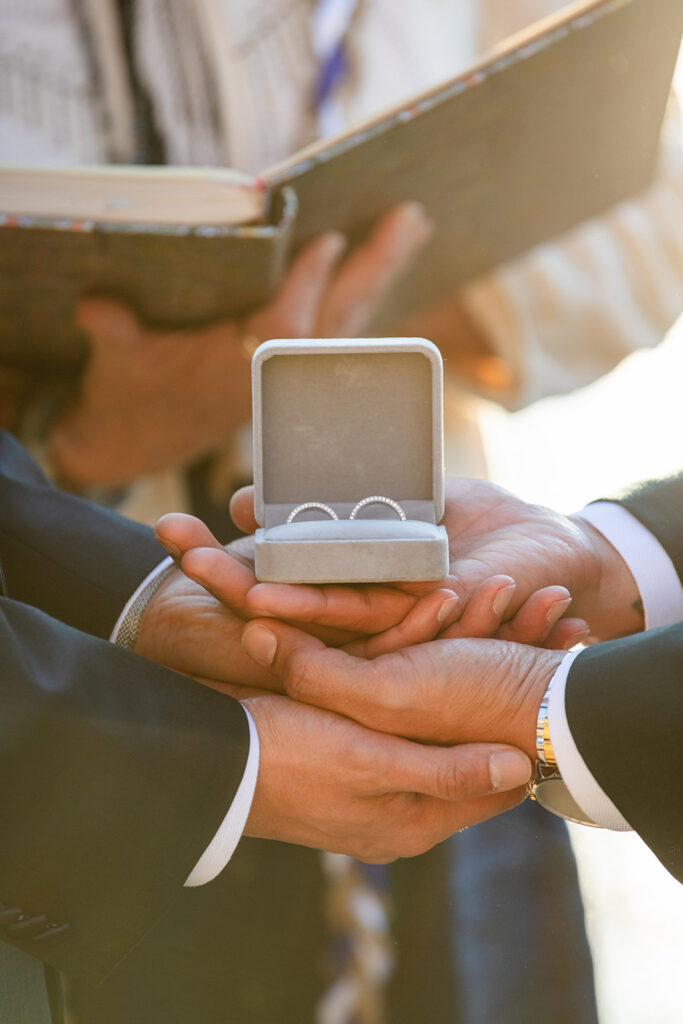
[{"x": 550, "y": 129}]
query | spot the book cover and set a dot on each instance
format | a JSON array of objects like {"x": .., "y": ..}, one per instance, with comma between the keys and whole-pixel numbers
[{"x": 552, "y": 128}]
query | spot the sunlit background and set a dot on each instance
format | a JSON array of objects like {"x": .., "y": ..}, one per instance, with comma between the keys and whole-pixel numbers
[{"x": 564, "y": 452}]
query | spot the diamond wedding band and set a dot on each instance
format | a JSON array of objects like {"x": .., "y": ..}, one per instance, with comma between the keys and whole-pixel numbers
[
  {"x": 311, "y": 504},
  {"x": 378, "y": 499}
]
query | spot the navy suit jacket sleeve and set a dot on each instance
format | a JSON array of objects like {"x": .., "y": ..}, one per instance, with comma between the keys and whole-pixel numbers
[
  {"x": 624, "y": 702},
  {"x": 114, "y": 772}
]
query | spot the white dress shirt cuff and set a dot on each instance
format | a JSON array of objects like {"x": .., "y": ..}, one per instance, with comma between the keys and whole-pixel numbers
[
  {"x": 656, "y": 578},
  {"x": 223, "y": 845},
  {"x": 579, "y": 781}
]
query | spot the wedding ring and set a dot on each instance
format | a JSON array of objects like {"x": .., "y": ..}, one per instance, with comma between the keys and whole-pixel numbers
[
  {"x": 311, "y": 504},
  {"x": 378, "y": 499}
]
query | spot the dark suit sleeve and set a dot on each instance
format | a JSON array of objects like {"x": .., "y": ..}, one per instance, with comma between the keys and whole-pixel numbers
[
  {"x": 624, "y": 701},
  {"x": 114, "y": 772},
  {"x": 74, "y": 560},
  {"x": 658, "y": 504},
  {"x": 624, "y": 704}
]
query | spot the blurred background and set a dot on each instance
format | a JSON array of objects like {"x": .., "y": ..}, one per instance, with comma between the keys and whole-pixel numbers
[{"x": 564, "y": 452}]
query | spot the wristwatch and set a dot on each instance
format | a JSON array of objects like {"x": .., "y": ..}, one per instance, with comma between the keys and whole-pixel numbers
[{"x": 548, "y": 788}]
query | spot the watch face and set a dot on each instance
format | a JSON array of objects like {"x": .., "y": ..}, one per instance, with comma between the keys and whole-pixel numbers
[{"x": 553, "y": 795}]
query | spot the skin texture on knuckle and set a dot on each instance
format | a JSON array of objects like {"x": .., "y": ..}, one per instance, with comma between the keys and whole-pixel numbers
[
  {"x": 299, "y": 677},
  {"x": 457, "y": 778}
]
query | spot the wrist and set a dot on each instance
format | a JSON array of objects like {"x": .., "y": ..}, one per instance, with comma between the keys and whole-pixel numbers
[
  {"x": 610, "y": 600},
  {"x": 137, "y": 626},
  {"x": 533, "y": 675}
]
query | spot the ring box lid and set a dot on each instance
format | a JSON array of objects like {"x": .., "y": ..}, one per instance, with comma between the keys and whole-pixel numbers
[{"x": 337, "y": 420}]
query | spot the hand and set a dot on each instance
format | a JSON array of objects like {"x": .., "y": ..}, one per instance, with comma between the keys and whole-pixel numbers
[
  {"x": 186, "y": 629},
  {"x": 467, "y": 350},
  {"x": 227, "y": 574},
  {"x": 328, "y": 783},
  {"x": 368, "y": 620},
  {"x": 323, "y": 780},
  {"x": 491, "y": 531},
  {"x": 484, "y": 607},
  {"x": 447, "y": 691},
  {"x": 153, "y": 399}
]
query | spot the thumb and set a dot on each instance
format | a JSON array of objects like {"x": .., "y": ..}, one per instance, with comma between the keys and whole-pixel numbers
[
  {"x": 242, "y": 510},
  {"x": 108, "y": 322},
  {"x": 465, "y": 772},
  {"x": 179, "y": 533},
  {"x": 313, "y": 673}
]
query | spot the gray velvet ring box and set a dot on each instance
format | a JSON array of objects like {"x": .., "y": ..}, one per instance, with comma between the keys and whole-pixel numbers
[{"x": 336, "y": 421}]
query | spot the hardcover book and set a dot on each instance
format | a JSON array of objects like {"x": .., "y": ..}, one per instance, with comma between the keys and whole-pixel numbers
[{"x": 551, "y": 128}]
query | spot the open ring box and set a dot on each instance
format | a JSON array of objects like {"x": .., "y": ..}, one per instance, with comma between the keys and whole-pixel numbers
[{"x": 336, "y": 421}]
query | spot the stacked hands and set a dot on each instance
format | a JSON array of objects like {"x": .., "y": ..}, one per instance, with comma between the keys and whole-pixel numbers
[{"x": 390, "y": 717}]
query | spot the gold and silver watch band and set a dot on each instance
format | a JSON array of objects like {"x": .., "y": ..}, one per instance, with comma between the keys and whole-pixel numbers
[
  {"x": 544, "y": 748},
  {"x": 548, "y": 788}
]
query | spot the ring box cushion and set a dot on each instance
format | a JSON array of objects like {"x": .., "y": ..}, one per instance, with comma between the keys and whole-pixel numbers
[{"x": 336, "y": 421}]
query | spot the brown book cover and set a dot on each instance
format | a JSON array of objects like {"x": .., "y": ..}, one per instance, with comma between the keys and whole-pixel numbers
[{"x": 553, "y": 127}]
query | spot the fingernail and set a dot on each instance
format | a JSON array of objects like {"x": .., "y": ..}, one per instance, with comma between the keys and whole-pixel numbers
[
  {"x": 172, "y": 549},
  {"x": 578, "y": 638},
  {"x": 416, "y": 224},
  {"x": 416, "y": 210},
  {"x": 503, "y": 598},
  {"x": 557, "y": 610},
  {"x": 336, "y": 242},
  {"x": 260, "y": 644},
  {"x": 508, "y": 769},
  {"x": 447, "y": 609}
]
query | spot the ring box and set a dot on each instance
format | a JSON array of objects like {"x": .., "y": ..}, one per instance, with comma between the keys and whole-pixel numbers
[{"x": 336, "y": 421}]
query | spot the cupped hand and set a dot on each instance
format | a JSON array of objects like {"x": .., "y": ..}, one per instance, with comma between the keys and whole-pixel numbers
[
  {"x": 443, "y": 692},
  {"x": 326, "y": 782},
  {"x": 488, "y": 605},
  {"x": 184, "y": 628},
  {"x": 227, "y": 573},
  {"x": 152, "y": 399},
  {"x": 490, "y": 531},
  {"x": 370, "y": 620}
]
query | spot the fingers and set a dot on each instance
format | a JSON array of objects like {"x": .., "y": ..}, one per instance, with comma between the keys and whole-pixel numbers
[
  {"x": 370, "y": 271},
  {"x": 107, "y": 322},
  {"x": 567, "y": 634},
  {"x": 459, "y": 773},
  {"x": 539, "y": 613},
  {"x": 310, "y": 671},
  {"x": 295, "y": 306},
  {"x": 428, "y": 617},
  {"x": 178, "y": 533},
  {"x": 224, "y": 577},
  {"x": 382, "y": 694},
  {"x": 485, "y": 610},
  {"x": 538, "y": 623},
  {"x": 357, "y": 609},
  {"x": 329, "y": 783},
  {"x": 242, "y": 510}
]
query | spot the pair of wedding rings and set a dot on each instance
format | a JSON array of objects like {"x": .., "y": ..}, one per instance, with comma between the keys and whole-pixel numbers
[{"x": 373, "y": 499}]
